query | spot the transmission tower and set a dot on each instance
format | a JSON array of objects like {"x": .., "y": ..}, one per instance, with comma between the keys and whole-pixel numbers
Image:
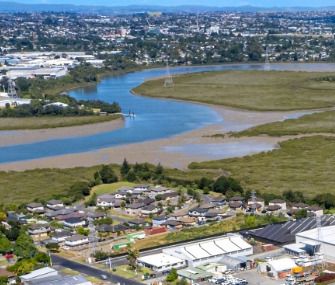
[
  {"x": 253, "y": 201},
  {"x": 267, "y": 66},
  {"x": 11, "y": 89},
  {"x": 92, "y": 240},
  {"x": 168, "y": 80}
]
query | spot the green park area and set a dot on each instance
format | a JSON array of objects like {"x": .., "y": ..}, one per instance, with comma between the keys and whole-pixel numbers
[{"x": 251, "y": 90}]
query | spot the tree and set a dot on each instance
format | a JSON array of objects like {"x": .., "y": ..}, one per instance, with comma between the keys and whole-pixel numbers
[
  {"x": 97, "y": 178},
  {"x": 131, "y": 176},
  {"x": 172, "y": 276},
  {"x": 100, "y": 255},
  {"x": 80, "y": 188},
  {"x": 3, "y": 216},
  {"x": 132, "y": 256},
  {"x": 82, "y": 231},
  {"x": 300, "y": 214},
  {"x": 53, "y": 247},
  {"x": 3, "y": 280},
  {"x": 5, "y": 244},
  {"x": 24, "y": 246},
  {"x": 42, "y": 258},
  {"x": 107, "y": 174},
  {"x": 124, "y": 168},
  {"x": 159, "y": 169},
  {"x": 23, "y": 266}
]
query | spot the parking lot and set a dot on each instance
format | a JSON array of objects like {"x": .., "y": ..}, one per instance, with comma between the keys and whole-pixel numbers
[{"x": 255, "y": 278}]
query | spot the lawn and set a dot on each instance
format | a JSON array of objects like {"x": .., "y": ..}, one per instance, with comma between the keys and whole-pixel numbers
[
  {"x": 51, "y": 122},
  {"x": 110, "y": 188},
  {"x": 304, "y": 164},
  {"x": 314, "y": 123},
  {"x": 252, "y": 90}
]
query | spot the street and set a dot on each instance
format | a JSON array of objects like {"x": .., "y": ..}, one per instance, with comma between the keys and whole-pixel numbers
[{"x": 88, "y": 270}]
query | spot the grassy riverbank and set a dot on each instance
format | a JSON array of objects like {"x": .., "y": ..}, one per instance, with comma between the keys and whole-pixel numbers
[
  {"x": 323, "y": 122},
  {"x": 304, "y": 165},
  {"x": 32, "y": 123},
  {"x": 252, "y": 90}
]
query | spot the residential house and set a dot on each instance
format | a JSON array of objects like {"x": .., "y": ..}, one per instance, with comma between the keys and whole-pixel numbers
[
  {"x": 279, "y": 202},
  {"x": 235, "y": 205},
  {"x": 55, "y": 204},
  {"x": 197, "y": 212},
  {"x": 106, "y": 201},
  {"x": 173, "y": 224},
  {"x": 37, "y": 208},
  {"x": 39, "y": 231},
  {"x": 16, "y": 218},
  {"x": 315, "y": 211},
  {"x": 150, "y": 210},
  {"x": 257, "y": 200},
  {"x": 134, "y": 208},
  {"x": 75, "y": 222},
  {"x": 76, "y": 240},
  {"x": 273, "y": 209},
  {"x": 138, "y": 223},
  {"x": 59, "y": 236},
  {"x": 158, "y": 221}
]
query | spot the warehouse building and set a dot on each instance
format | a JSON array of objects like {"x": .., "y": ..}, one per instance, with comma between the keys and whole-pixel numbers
[
  {"x": 320, "y": 240},
  {"x": 161, "y": 262},
  {"x": 209, "y": 251},
  {"x": 286, "y": 232}
]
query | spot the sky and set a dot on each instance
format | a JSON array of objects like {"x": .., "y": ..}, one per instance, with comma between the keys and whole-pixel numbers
[{"x": 259, "y": 3}]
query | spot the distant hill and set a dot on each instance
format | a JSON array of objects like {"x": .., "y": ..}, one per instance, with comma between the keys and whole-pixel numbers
[{"x": 16, "y": 7}]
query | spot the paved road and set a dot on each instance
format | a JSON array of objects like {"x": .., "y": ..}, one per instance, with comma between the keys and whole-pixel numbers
[{"x": 88, "y": 270}]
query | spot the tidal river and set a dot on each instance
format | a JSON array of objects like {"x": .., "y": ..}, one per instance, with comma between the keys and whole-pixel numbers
[{"x": 155, "y": 118}]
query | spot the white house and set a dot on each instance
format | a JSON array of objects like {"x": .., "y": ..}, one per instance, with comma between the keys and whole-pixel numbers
[
  {"x": 279, "y": 202},
  {"x": 76, "y": 240},
  {"x": 35, "y": 208}
]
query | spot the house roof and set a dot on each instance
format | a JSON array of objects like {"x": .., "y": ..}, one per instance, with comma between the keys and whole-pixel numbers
[
  {"x": 34, "y": 205},
  {"x": 74, "y": 220},
  {"x": 277, "y": 201},
  {"x": 39, "y": 273},
  {"x": 54, "y": 202},
  {"x": 76, "y": 238},
  {"x": 235, "y": 204},
  {"x": 61, "y": 280}
]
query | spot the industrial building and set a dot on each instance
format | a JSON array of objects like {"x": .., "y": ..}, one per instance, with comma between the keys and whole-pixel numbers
[
  {"x": 210, "y": 251},
  {"x": 286, "y": 233},
  {"x": 320, "y": 239},
  {"x": 161, "y": 262}
]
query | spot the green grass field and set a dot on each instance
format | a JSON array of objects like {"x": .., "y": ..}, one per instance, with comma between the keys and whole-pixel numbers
[
  {"x": 109, "y": 188},
  {"x": 51, "y": 122},
  {"x": 253, "y": 90},
  {"x": 24, "y": 187},
  {"x": 305, "y": 165},
  {"x": 314, "y": 123}
]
